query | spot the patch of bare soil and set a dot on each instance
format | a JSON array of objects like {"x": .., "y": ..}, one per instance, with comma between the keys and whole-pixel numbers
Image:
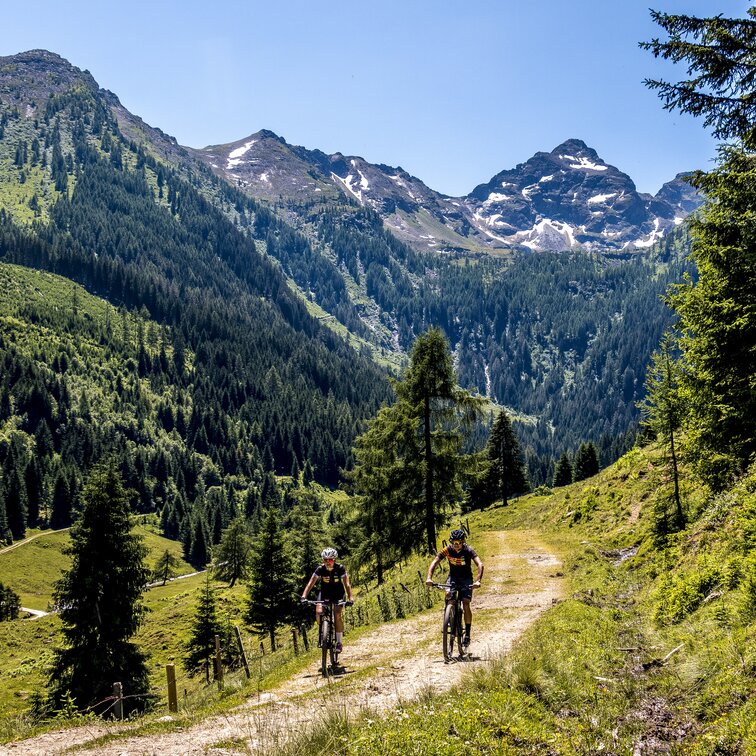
[{"x": 383, "y": 668}]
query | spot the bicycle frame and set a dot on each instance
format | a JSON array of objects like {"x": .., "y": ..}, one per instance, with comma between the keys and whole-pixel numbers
[
  {"x": 451, "y": 629},
  {"x": 327, "y": 635}
]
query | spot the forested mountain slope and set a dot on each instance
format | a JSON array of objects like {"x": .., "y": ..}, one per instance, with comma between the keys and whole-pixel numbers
[
  {"x": 92, "y": 192},
  {"x": 258, "y": 382}
]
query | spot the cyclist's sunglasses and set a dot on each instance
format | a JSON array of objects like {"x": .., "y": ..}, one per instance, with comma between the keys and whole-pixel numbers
[
  {"x": 457, "y": 543},
  {"x": 329, "y": 559}
]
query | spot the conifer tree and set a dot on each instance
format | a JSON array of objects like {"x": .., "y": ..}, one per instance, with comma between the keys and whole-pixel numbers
[
  {"x": 10, "y": 603},
  {"x": 232, "y": 555},
  {"x": 165, "y": 567},
  {"x": 563, "y": 471},
  {"x": 506, "y": 469},
  {"x": 16, "y": 505},
  {"x": 272, "y": 585},
  {"x": 200, "y": 647},
  {"x": 717, "y": 319},
  {"x": 429, "y": 396},
  {"x": 100, "y": 600},
  {"x": 586, "y": 461},
  {"x": 199, "y": 554},
  {"x": 662, "y": 413}
]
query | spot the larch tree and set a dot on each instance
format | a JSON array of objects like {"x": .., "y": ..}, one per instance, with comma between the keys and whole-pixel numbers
[
  {"x": 231, "y": 558},
  {"x": 439, "y": 410},
  {"x": 99, "y": 601},
  {"x": 165, "y": 567}
]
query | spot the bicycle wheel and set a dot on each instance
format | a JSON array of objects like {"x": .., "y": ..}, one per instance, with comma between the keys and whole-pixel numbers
[
  {"x": 448, "y": 631},
  {"x": 458, "y": 630},
  {"x": 325, "y": 642}
]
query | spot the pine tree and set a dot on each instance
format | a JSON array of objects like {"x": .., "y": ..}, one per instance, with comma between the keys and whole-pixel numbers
[
  {"x": 272, "y": 586},
  {"x": 231, "y": 560},
  {"x": 563, "y": 471},
  {"x": 586, "y": 461},
  {"x": 100, "y": 600}
]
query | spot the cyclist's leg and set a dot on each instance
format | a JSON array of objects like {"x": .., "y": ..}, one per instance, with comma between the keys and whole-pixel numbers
[
  {"x": 338, "y": 624},
  {"x": 466, "y": 593}
]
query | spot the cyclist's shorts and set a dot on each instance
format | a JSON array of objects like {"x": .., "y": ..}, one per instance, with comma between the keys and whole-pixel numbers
[
  {"x": 336, "y": 596},
  {"x": 464, "y": 587}
]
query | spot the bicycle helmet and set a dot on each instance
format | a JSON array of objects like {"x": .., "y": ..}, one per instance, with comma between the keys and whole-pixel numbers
[
  {"x": 329, "y": 553},
  {"x": 457, "y": 535}
]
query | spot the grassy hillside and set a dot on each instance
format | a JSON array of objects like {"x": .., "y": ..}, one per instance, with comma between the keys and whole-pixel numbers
[{"x": 653, "y": 652}]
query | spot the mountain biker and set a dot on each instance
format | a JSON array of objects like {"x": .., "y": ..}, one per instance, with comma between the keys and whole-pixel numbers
[
  {"x": 460, "y": 556},
  {"x": 334, "y": 581}
]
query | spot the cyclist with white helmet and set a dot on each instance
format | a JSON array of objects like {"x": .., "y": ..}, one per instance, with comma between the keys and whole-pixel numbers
[
  {"x": 334, "y": 582},
  {"x": 461, "y": 556}
]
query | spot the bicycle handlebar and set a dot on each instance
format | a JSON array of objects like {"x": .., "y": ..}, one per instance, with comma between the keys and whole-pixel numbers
[{"x": 332, "y": 603}]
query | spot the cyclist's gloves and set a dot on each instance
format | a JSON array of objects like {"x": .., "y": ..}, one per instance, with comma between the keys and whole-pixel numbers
[{"x": 350, "y": 603}]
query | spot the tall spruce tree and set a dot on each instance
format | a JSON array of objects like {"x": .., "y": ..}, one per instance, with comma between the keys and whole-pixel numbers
[
  {"x": 718, "y": 311},
  {"x": 100, "y": 600},
  {"x": 563, "y": 471},
  {"x": 506, "y": 468},
  {"x": 200, "y": 648},
  {"x": 586, "y": 461},
  {"x": 272, "y": 585}
]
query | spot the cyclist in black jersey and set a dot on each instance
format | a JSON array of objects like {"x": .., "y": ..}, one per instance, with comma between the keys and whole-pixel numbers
[
  {"x": 334, "y": 582},
  {"x": 460, "y": 556}
]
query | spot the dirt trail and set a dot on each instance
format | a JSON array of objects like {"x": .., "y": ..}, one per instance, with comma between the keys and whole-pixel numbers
[{"x": 385, "y": 667}]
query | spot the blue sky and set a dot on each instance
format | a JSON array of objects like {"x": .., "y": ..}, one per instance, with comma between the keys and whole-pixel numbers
[{"x": 452, "y": 92}]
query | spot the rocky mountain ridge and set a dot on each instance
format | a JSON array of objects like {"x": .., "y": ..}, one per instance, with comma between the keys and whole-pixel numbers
[{"x": 555, "y": 201}]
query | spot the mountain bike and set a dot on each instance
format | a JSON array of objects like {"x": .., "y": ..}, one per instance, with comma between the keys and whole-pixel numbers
[
  {"x": 327, "y": 635},
  {"x": 454, "y": 620}
]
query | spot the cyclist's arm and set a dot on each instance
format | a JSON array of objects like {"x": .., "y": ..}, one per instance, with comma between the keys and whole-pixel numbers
[
  {"x": 479, "y": 565},
  {"x": 348, "y": 587},
  {"x": 431, "y": 569},
  {"x": 308, "y": 587}
]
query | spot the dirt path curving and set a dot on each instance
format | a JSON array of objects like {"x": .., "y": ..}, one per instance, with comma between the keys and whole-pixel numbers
[{"x": 385, "y": 667}]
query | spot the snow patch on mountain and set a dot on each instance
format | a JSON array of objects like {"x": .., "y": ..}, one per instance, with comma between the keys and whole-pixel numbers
[{"x": 235, "y": 156}]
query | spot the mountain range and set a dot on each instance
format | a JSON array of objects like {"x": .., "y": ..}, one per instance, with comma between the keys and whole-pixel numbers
[{"x": 556, "y": 201}]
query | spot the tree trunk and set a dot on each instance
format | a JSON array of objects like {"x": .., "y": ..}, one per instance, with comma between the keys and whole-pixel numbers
[
  {"x": 272, "y": 638},
  {"x": 430, "y": 524}
]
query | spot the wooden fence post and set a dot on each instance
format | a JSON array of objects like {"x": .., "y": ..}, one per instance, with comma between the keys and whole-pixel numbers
[
  {"x": 242, "y": 651},
  {"x": 262, "y": 649},
  {"x": 118, "y": 705},
  {"x": 294, "y": 640},
  {"x": 218, "y": 663},
  {"x": 170, "y": 671}
]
